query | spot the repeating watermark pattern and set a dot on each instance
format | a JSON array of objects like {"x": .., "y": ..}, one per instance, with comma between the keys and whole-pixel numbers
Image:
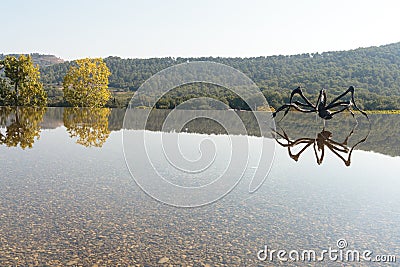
[
  {"x": 340, "y": 253},
  {"x": 184, "y": 170}
]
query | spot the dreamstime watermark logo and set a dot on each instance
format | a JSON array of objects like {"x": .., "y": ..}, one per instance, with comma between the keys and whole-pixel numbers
[
  {"x": 340, "y": 253},
  {"x": 187, "y": 170}
]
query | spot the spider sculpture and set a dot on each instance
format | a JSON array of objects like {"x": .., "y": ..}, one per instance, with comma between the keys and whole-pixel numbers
[
  {"x": 322, "y": 140},
  {"x": 324, "y": 109}
]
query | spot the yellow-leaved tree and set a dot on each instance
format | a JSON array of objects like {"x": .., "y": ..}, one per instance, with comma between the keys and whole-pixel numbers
[
  {"x": 88, "y": 125},
  {"x": 22, "y": 125},
  {"x": 86, "y": 83},
  {"x": 21, "y": 85}
]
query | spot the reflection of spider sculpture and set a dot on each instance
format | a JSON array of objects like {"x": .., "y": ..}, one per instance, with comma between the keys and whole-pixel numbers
[
  {"x": 324, "y": 110},
  {"x": 324, "y": 138}
]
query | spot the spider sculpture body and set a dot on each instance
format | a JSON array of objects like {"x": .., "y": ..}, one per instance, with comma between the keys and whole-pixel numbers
[{"x": 324, "y": 109}]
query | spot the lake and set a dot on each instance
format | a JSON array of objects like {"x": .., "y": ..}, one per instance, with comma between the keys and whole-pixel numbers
[{"x": 72, "y": 193}]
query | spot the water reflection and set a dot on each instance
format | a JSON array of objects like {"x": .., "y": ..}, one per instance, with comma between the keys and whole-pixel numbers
[
  {"x": 88, "y": 125},
  {"x": 20, "y": 126},
  {"x": 320, "y": 141}
]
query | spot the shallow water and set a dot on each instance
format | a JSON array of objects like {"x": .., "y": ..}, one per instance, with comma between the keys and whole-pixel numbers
[{"x": 71, "y": 200}]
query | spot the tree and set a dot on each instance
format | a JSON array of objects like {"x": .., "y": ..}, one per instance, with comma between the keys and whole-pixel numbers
[
  {"x": 5, "y": 94},
  {"x": 88, "y": 125},
  {"x": 21, "y": 85},
  {"x": 86, "y": 83},
  {"x": 22, "y": 125}
]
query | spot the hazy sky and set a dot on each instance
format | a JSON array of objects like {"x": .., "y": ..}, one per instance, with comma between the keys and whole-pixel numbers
[{"x": 149, "y": 28}]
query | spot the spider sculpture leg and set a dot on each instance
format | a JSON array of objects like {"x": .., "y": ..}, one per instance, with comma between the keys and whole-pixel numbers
[
  {"x": 348, "y": 161},
  {"x": 319, "y": 145},
  {"x": 333, "y": 145},
  {"x": 336, "y": 151},
  {"x": 299, "y": 92},
  {"x": 306, "y": 107},
  {"x": 344, "y": 106},
  {"x": 337, "y": 147},
  {"x": 290, "y": 144},
  {"x": 344, "y": 143},
  {"x": 335, "y": 102},
  {"x": 319, "y": 159},
  {"x": 307, "y": 141},
  {"x": 292, "y": 105}
]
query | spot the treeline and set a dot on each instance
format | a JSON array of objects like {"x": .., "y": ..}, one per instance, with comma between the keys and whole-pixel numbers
[{"x": 373, "y": 71}]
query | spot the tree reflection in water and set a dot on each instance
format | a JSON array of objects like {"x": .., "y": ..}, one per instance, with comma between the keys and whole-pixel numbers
[
  {"x": 322, "y": 139},
  {"x": 21, "y": 126},
  {"x": 88, "y": 125}
]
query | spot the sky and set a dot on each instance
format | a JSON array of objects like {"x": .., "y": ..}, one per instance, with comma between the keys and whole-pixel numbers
[{"x": 188, "y": 28}]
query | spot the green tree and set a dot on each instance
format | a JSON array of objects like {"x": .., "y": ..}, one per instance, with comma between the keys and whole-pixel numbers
[
  {"x": 86, "y": 83},
  {"x": 21, "y": 85},
  {"x": 5, "y": 95}
]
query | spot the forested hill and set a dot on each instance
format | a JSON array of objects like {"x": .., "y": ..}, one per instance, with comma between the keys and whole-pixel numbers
[
  {"x": 374, "y": 71},
  {"x": 40, "y": 59}
]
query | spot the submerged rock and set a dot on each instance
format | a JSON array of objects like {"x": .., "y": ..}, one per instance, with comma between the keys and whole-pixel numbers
[{"x": 163, "y": 260}]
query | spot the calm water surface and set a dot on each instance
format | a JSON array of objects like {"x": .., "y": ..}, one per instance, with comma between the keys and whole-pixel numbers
[{"x": 67, "y": 197}]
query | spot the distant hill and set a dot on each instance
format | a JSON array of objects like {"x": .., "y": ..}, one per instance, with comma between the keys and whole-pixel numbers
[
  {"x": 374, "y": 71},
  {"x": 41, "y": 60}
]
